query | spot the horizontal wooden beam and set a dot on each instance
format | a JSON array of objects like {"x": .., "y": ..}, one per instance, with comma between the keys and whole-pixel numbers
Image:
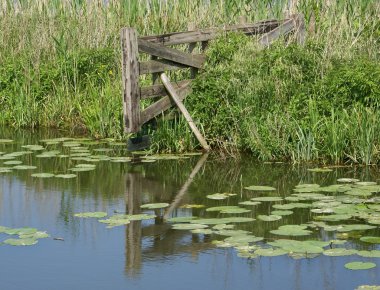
[
  {"x": 171, "y": 54},
  {"x": 160, "y": 90},
  {"x": 283, "y": 29},
  {"x": 159, "y": 65},
  {"x": 163, "y": 104},
  {"x": 211, "y": 33}
]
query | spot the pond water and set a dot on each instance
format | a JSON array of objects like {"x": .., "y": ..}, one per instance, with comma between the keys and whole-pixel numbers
[{"x": 83, "y": 253}]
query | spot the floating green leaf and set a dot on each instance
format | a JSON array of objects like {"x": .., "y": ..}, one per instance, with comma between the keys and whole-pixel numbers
[
  {"x": 336, "y": 252},
  {"x": 96, "y": 214},
  {"x": 220, "y": 208},
  {"x": 66, "y": 176},
  {"x": 360, "y": 265},
  {"x": 12, "y": 162},
  {"x": 267, "y": 198},
  {"x": 372, "y": 240},
  {"x": 282, "y": 212},
  {"x": 42, "y": 175},
  {"x": 357, "y": 227},
  {"x": 184, "y": 219},
  {"x": 269, "y": 218},
  {"x": 242, "y": 239},
  {"x": 348, "y": 180},
  {"x": 33, "y": 147},
  {"x": 248, "y": 202},
  {"x": 21, "y": 242},
  {"x": 3, "y": 141},
  {"x": 24, "y": 167},
  {"x": 220, "y": 196},
  {"x": 155, "y": 205},
  {"x": 188, "y": 226},
  {"x": 291, "y": 230},
  {"x": 260, "y": 188},
  {"x": 369, "y": 254},
  {"x": 270, "y": 252}
]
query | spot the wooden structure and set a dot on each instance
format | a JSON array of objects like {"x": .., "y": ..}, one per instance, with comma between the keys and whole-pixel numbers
[{"x": 163, "y": 57}]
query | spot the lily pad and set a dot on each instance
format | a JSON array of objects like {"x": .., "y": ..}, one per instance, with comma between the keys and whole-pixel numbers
[
  {"x": 43, "y": 175},
  {"x": 4, "y": 141},
  {"x": 192, "y": 206},
  {"x": 269, "y": 218},
  {"x": 220, "y": 196},
  {"x": 154, "y": 205},
  {"x": 372, "y": 240},
  {"x": 270, "y": 252},
  {"x": 260, "y": 188},
  {"x": 249, "y": 202},
  {"x": 357, "y": 227},
  {"x": 220, "y": 208},
  {"x": 293, "y": 246},
  {"x": 267, "y": 198},
  {"x": 12, "y": 162},
  {"x": 97, "y": 214},
  {"x": 242, "y": 239},
  {"x": 337, "y": 252},
  {"x": 291, "y": 230},
  {"x": 188, "y": 226},
  {"x": 33, "y": 147},
  {"x": 360, "y": 265},
  {"x": 235, "y": 210},
  {"x": 369, "y": 254},
  {"x": 21, "y": 242},
  {"x": 184, "y": 219},
  {"x": 282, "y": 212},
  {"x": 348, "y": 180},
  {"x": 66, "y": 176},
  {"x": 24, "y": 167}
]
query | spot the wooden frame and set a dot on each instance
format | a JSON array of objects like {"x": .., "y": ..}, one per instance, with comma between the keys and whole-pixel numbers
[{"x": 165, "y": 58}]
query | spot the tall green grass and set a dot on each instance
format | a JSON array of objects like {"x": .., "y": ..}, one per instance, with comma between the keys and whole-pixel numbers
[{"x": 60, "y": 67}]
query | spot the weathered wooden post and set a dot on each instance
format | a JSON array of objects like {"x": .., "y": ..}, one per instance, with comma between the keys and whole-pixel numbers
[
  {"x": 131, "y": 89},
  {"x": 191, "y": 27}
]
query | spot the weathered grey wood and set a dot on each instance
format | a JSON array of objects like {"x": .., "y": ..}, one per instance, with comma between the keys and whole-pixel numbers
[
  {"x": 159, "y": 65},
  {"x": 164, "y": 104},
  {"x": 155, "y": 76},
  {"x": 281, "y": 30},
  {"x": 192, "y": 45},
  {"x": 185, "y": 187},
  {"x": 160, "y": 90},
  {"x": 130, "y": 75},
  {"x": 211, "y": 33},
  {"x": 173, "y": 93},
  {"x": 300, "y": 29},
  {"x": 171, "y": 54}
]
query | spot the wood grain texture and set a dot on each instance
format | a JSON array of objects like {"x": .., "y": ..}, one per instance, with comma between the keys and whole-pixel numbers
[{"x": 130, "y": 79}]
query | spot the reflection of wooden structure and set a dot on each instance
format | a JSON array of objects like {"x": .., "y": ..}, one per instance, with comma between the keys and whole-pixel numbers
[
  {"x": 165, "y": 58},
  {"x": 165, "y": 240}
]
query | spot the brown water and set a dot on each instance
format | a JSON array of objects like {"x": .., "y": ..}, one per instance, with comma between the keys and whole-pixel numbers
[{"x": 150, "y": 254}]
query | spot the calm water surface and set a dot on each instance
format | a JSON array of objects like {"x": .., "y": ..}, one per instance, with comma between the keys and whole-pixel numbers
[{"x": 149, "y": 254}]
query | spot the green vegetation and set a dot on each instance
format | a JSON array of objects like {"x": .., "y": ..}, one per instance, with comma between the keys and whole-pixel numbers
[{"x": 60, "y": 67}]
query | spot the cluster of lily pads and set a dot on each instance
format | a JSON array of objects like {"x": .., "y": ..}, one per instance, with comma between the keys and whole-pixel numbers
[
  {"x": 350, "y": 201},
  {"x": 122, "y": 219},
  {"x": 26, "y": 236},
  {"x": 79, "y": 150}
]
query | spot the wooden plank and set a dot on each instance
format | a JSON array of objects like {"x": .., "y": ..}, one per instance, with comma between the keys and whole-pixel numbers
[
  {"x": 191, "y": 27},
  {"x": 300, "y": 29},
  {"x": 171, "y": 54},
  {"x": 173, "y": 93},
  {"x": 281, "y": 30},
  {"x": 160, "y": 90},
  {"x": 159, "y": 65},
  {"x": 130, "y": 75},
  {"x": 164, "y": 104},
  {"x": 211, "y": 33}
]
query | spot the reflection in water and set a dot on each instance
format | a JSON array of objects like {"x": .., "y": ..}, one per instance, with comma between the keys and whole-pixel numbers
[{"x": 164, "y": 240}]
